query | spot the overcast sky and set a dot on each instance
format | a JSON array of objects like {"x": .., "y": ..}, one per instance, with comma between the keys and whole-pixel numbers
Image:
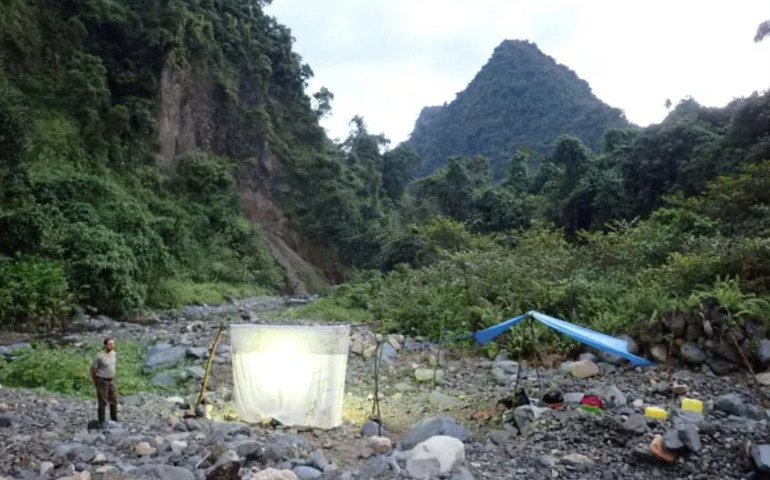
[{"x": 386, "y": 59}]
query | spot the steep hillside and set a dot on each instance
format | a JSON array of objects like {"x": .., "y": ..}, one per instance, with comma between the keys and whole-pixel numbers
[
  {"x": 137, "y": 140},
  {"x": 521, "y": 98}
]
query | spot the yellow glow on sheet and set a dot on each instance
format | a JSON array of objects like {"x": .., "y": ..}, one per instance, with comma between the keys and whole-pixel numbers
[{"x": 293, "y": 374}]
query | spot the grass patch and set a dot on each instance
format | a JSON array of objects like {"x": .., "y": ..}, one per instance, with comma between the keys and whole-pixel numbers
[
  {"x": 180, "y": 293},
  {"x": 323, "y": 309},
  {"x": 67, "y": 369}
]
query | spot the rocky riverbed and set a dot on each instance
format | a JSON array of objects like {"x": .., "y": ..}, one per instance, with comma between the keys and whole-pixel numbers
[{"x": 455, "y": 430}]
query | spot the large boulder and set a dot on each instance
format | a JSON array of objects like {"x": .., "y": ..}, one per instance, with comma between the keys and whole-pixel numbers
[
  {"x": 163, "y": 355},
  {"x": 431, "y": 427}
]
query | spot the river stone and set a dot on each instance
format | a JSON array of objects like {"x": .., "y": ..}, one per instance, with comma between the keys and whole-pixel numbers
[
  {"x": 318, "y": 459},
  {"x": 573, "y": 397},
  {"x": 45, "y": 467},
  {"x": 426, "y": 375},
  {"x": 249, "y": 449},
  {"x": 635, "y": 424},
  {"x": 499, "y": 437},
  {"x": 462, "y": 473},
  {"x": 688, "y": 433},
  {"x": 441, "y": 449},
  {"x": 199, "y": 353},
  {"x": 442, "y": 401},
  {"x": 731, "y": 403},
  {"x": 274, "y": 474},
  {"x": 763, "y": 378},
  {"x": 583, "y": 369},
  {"x": 580, "y": 461},
  {"x": 761, "y": 456},
  {"x": 588, "y": 356},
  {"x": 525, "y": 414},
  {"x": 303, "y": 472},
  {"x": 692, "y": 354},
  {"x": 388, "y": 353},
  {"x": 164, "y": 379},
  {"x": 163, "y": 355},
  {"x": 170, "y": 472},
  {"x": 613, "y": 397},
  {"x": 501, "y": 378},
  {"x": 694, "y": 332},
  {"x": 672, "y": 440},
  {"x": 371, "y": 429},
  {"x": 763, "y": 352},
  {"x": 143, "y": 449},
  {"x": 380, "y": 445},
  {"x": 431, "y": 427},
  {"x": 677, "y": 326},
  {"x": 227, "y": 467},
  {"x": 508, "y": 366},
  {"x": 659, "y": 353},
  {"x": 197, "y": 372}
]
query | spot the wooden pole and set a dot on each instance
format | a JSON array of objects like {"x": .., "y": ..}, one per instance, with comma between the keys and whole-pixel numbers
[{"x": 208, "y": 367}]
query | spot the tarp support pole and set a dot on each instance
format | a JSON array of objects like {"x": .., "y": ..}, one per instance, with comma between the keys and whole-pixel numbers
[
  {"x": 537, "y": 354},
  {"x": 518, "y": 370}
]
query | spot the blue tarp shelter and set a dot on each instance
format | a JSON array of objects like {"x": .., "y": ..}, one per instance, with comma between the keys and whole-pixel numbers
[{"x": 594, "y": 339}]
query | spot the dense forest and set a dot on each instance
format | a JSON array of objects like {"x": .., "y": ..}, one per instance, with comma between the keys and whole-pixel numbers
[
  {"x": 521, "y": 99},
  {"x": 121, "y": 191}
]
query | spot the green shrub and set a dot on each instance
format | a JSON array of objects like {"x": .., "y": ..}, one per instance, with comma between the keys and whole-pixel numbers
[
  {"x": 33, "y": 293},
  {"x": 32, "y": 368}
]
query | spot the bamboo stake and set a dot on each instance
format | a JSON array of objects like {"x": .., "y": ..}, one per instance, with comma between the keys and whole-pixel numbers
[
  {"x": 208, "y": 367},
  {"x": 376, "y": 404}
]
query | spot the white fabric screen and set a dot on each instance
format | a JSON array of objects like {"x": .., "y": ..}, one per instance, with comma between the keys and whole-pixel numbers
[{"x": 294, "y": 374}]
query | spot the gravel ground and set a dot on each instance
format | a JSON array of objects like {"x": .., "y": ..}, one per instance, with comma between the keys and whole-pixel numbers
[{"x": 43, "y": 432}]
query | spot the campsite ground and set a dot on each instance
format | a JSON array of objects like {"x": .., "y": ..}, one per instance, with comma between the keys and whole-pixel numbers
[{"x": 38, "y": 427}]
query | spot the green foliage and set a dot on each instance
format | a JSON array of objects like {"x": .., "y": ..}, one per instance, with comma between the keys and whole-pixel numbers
[
  {"x": 31, "y": 368},
  {"x": 520, "y": 98},
  {"x": 177, "y": 293},
  {"x": 82, "y": 198},
  {"x": 33, "y": 290},
  {"x": 324, "y": 310}
]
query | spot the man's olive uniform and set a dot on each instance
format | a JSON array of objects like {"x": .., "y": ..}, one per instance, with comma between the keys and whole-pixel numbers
[{"x": 106, "y": 393}]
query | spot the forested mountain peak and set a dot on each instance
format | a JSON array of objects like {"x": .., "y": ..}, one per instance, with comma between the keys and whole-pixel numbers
[{"x": 521, "y": 98}]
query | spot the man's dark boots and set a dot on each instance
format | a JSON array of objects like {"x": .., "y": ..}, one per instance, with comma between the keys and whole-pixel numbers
[
  {"x": 101, "y": 414},
  {"x": 114, "y": 413}
]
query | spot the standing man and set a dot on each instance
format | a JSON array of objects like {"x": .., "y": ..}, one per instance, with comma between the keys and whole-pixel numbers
[{"x": 103, "y": 376}]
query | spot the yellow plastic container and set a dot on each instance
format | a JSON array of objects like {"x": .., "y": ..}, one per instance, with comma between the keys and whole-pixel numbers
[
  {"x": 655, "y": 412},
  {"x": 692, "y": 404}
]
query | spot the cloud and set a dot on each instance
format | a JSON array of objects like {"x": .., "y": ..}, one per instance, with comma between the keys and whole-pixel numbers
[{"x": 386, "y": 60}]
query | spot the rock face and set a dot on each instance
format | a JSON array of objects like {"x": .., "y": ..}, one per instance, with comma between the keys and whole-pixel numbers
[
  {"x": 434, "y": 456},
  {"x": 431, "y": 427}
]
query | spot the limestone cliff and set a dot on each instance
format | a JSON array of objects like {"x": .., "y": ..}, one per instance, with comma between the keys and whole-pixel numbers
[{"x": 197, "y": 114}]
